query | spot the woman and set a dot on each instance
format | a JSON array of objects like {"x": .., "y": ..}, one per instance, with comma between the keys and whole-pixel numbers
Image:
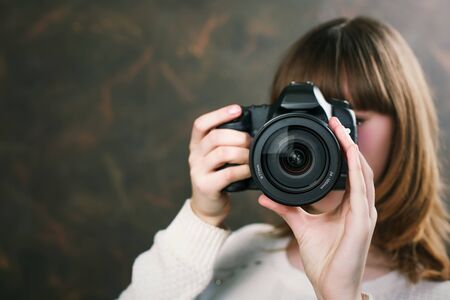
[{"x": 383, "y": 238}]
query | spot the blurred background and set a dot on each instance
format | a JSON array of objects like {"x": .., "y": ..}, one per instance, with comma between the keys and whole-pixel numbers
[{"x": 97, "y": 100}]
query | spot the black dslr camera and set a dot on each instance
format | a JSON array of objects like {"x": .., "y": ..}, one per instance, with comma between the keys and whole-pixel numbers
[{"x": 295, "y": 159}]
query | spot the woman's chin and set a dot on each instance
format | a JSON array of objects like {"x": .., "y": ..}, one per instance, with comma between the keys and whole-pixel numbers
[{"x": 326, "y": 204}]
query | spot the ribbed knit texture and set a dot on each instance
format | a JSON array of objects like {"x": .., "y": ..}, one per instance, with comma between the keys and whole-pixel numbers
[
  {"x": 179, "y": 265},
  {"x": 192, "y": 259}
]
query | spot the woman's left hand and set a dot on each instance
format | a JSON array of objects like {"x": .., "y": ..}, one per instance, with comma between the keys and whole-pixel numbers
[{"x": 334, "y": 245}]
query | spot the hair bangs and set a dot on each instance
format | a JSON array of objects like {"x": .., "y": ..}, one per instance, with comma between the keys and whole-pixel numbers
[{"x": 343, "y": 66}]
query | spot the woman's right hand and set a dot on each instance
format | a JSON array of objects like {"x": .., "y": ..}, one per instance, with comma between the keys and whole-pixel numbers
[{"x": 210, "y": 148}]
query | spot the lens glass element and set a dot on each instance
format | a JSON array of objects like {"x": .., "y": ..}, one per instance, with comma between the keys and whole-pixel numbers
[{"x": 294, "y": 157}]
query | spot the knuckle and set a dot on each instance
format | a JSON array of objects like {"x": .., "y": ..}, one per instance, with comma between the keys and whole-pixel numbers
[
  {"x": 198, "y": 124},
  {"x": 193, "y": 173},
  {"x": 223, "y": 153},
  {"x": 229, "y": 174},
  {"x": 374, "y": 214},
  {"x": 191, "y": 161},
  {"x": 244, "y": 139}
]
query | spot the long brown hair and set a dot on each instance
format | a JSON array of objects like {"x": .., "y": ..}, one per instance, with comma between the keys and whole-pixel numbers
[{"x": 371, "y": 65}]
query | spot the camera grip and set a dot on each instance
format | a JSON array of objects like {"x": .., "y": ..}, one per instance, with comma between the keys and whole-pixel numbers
[{"x": 242, "y": 123}]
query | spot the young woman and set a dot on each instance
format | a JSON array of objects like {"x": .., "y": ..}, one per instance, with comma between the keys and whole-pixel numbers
[{"x": 383, "y": 238}]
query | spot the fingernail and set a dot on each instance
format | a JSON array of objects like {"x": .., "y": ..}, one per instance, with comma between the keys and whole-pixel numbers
[
  {"x": 234, "y": 109},
  {"x": 337, "y": 120}
]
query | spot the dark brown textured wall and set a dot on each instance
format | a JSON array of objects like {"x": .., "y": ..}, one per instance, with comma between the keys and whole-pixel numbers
[{"x": 97, "y": 101}]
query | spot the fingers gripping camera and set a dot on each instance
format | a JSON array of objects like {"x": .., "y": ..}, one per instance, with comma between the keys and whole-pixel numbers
[{"x": 295, "y": 159}]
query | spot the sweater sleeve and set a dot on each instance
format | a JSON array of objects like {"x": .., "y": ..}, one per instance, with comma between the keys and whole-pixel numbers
[{"x": 179, "y": 265}]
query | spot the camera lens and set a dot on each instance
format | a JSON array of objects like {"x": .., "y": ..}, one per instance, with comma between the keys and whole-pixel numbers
[{"x": 295, "y": 159}]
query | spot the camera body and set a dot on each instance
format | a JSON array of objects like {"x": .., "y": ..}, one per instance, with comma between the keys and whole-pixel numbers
[{"x": 295, "y": 159}]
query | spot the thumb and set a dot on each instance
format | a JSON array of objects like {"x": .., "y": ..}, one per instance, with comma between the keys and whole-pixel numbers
[{"x": 290, "y": 214}]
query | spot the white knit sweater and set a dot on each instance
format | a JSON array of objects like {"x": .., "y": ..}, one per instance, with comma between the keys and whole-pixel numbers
[{"x": 195, "y": 260}]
